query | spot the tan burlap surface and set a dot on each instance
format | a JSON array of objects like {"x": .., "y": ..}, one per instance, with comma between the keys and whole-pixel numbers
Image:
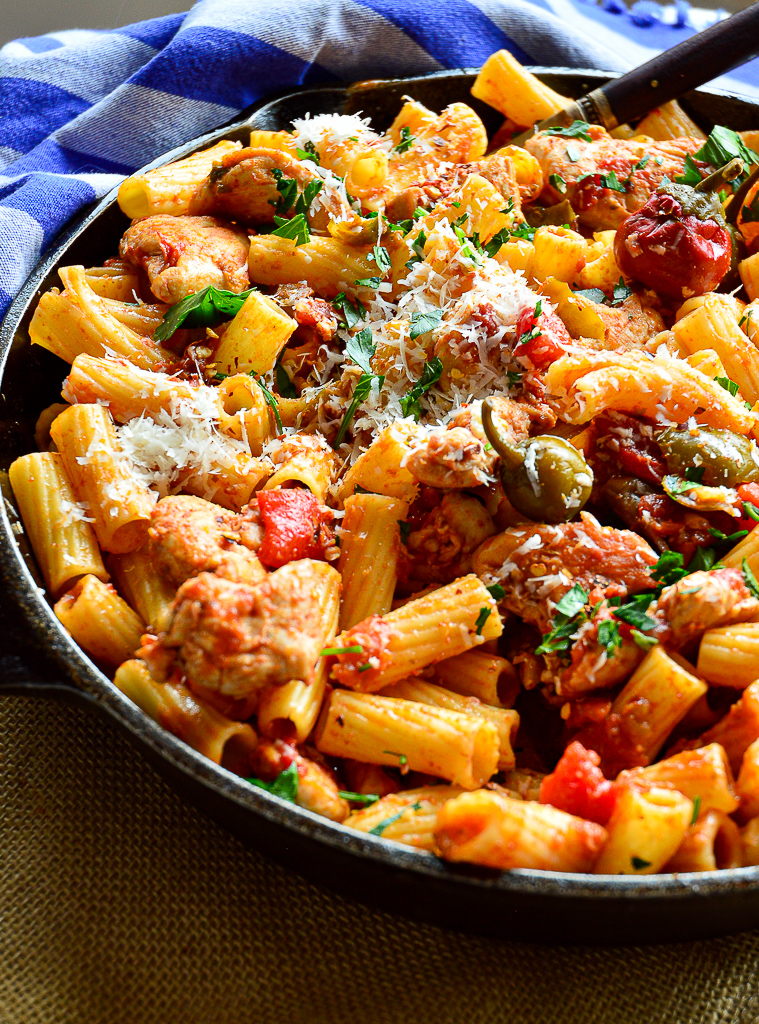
[{"x": 120, "y": 903}]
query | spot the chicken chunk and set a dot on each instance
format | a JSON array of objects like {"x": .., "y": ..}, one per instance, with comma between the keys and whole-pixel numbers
[
  {"x": 244, "y": 185},
  {"x": 537, "y": 565},
  {"x": 183, "y": 255},
  {"x": 441, "y": 548},
  {"x": 190, "y": 535},
  {"x": 701, "y": 601},
  {"x": 640, "y": 167},
  {"x": 236, "y": 638},
  {"x": 498, "y": 169},
  {"x": 317, "y": 790}
]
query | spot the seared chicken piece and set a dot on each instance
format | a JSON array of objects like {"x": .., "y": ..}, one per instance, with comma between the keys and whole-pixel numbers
[
  {"x": 598, "y": 207},
  {"x": 244, "y": 187},
  {"x": 441, "y": 548},
  {"x": 497, "y": 169},
  {"x": 701, "y": 601},
  {"x": 538, "y": 565},
  {"x": 236, "y": 638},
  {"x": 308, "y": 310},
  {"x": 190, "y": 535},
  {"x": 182, "y": 255},
  {"x": 317, "y": 789}
]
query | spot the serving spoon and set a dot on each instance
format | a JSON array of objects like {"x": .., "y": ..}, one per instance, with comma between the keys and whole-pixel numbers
[{"x": 670, "y": 74}]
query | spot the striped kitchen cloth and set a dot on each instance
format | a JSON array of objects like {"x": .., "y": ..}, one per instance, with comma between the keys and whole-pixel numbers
[{"x": 80, "y": 109}]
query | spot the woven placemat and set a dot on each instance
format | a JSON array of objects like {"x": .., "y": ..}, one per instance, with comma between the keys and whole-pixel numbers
[{"x": 120, "y": 904}]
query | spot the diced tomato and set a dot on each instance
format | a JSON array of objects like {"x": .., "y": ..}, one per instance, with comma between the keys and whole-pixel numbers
[
  {"x": 578, "y": 786},
  {"x": 750, "y": 494},
  {"x": 548, "y": 344},
  {"x": 292, "y": 522}
]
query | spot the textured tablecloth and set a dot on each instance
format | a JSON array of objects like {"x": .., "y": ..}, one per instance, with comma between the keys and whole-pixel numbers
[{"x": 120, "y": 904}]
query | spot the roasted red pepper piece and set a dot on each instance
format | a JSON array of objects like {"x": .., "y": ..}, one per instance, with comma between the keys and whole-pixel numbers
[
  {"x": 678, "y": 243},
  {"x": 578, "y": 786},
  {"x": 292, "y": 522},
  {"x": 541, "y": 338}
]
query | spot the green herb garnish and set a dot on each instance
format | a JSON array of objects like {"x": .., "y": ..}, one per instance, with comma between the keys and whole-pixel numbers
[
  {"x": 379, "y": 829},
  {"x": 430, "y": 375},
  {"x": 284, "y": 786},
  {"x": 205, "y": 308}
]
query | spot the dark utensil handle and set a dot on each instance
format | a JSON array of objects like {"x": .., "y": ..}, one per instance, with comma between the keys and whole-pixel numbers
[{"x": 691, "y": 63}]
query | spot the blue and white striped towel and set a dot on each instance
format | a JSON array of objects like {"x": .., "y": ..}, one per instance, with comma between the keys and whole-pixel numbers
[{"x": 80, "y": 109}]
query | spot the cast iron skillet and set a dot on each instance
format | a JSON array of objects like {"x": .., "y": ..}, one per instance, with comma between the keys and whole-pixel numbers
[{"x": 39, "y": 658}]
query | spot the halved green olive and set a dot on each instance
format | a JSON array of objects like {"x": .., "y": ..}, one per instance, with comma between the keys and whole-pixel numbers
[
  {"x": 545, "y": 478},
  {"x": 728, "y": 459}
]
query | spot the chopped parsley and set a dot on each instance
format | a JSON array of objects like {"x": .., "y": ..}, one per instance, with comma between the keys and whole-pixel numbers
[
  {"x": 380, "y": 828},
  {"x": 381, "y": 257},
  {"x": 644, "y": 642},
  {"x": 407, "y": 140},
  {"x": 352, "y": 313},
  {"x": 430, "y": 375},
  {"x": 288, "y": 192},
  {"x": 369, "y": 282},
  {"x": 205, "y": 308},
  {"x": 558, "y": 183},
  {"x": 308, "y": 153},
  {"x": 722, "y": 146},
  {"x": 608, "y": 636},
  {"x": 691, "y": 174},
  {"x": 496, "y": 591},
  {"x": 328, "y": 652},
  {"x": 358, "y": 798},
  {"x": 422, "y": 323},
  {"x": 751, "y": 511},
  {"x": 285, "y": 386},
  {"x": 284, "y": 786},
  {"x": 295, "y": 228},
  {"x": 270, "y": 400},
  {"x": 360, "y": 394},
  {"x": 619, "y": 294},
  {"x": 696, "y": 809},
  {"x": 568, "y": 617},
  {"x": 638, "y": 863},
  {"x": 482, "y": 618},
  {"x": 576, "y": 130},
  {"x": 360, "y": 348},
  {"x": 728, "y": 385},
  {"x": 402, "y": 759},
  {"x": 573, "y": 153},
  {"x": 610, "y": 180},
  {"x": 750, "y": 579},
  {"x": 750, "y": 212}
]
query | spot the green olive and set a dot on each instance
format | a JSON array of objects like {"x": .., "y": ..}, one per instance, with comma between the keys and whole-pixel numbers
[
  {"x": 728, "y": 459},
  {"x": 545, "y": 478},
  {"x": 623, "y": 494}
]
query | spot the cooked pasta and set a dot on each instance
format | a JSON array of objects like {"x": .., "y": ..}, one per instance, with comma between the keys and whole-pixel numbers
[{"x": 427, "y": 487}]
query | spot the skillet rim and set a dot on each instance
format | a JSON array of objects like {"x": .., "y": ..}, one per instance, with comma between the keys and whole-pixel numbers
[{"x": 87, "y": 682}]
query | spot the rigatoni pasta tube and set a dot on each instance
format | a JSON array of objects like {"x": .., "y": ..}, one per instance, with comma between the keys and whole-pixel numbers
[
  {"x": 747, "y": 783},
  {"x": 119, "y": 504},
  {"x": 712, "y": 843},
  {"x": 126, "y": 390},
  {"x": 255, "y": 337},
  {"x": 729, "y": 655},
  {"x": 79, "y": 320},
  {"x": 408, "y": 817},
  {"x": 369, "y": 549},
  {"x": 386, "y": 730},
  {"x": 438, "y": 625},
  {"x": 100, "y": 621},
  {"x": 713, "y": 326},
  {"x": 658, "y": 695},
  {"x": 325, "y": 264},
  {"x": 498, "y": 832},
  {"x": 506, "y": 722},
  {"x": 478, "y": 673},
  {"x": 739, "y": 727},
  {"x": 143, "y": 587},
  {"x": 703, "y": 773},
  {"x": 171, "y": 188},
  {"x": 193, "y": 720},
  {"x": 514, "y": 91},
  {"x": 669, "y": 121},
  {"x": 63, "y": 542},
  {"x": 303, "y": 459},
  {"x": 645, "y": 829},
  {"x": 381, "y": 469}
]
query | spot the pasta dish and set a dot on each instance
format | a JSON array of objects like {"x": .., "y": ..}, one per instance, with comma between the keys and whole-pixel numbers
[{"x": 413, "y": 476}]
